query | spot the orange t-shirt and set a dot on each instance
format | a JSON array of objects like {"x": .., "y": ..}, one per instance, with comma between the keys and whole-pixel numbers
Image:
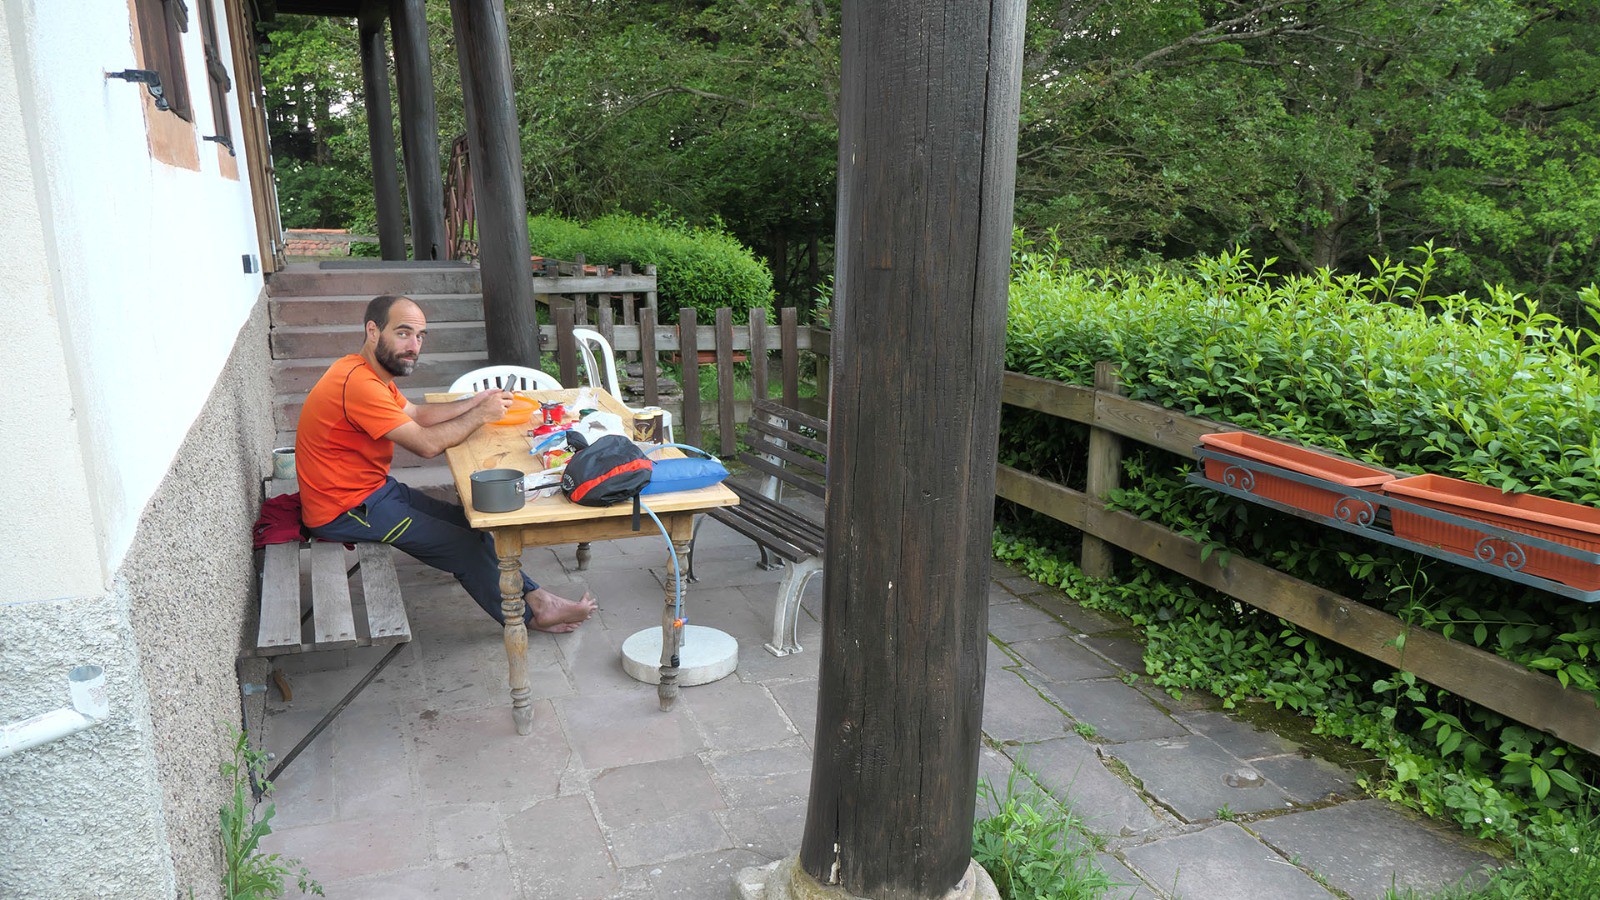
[{"x": 341, "y": 454}]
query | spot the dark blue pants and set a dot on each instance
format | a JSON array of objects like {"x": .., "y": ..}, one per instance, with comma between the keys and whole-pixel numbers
[{"x": 434, "y": 532}]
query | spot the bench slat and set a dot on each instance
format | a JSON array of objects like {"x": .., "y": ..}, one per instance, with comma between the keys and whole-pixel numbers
[
  {"x": 788, "y": 435},
  {"x": 760, "y": 444},
  {"x": 380, "y": 585},
  {"x": 783, "y": 518},
  {"x": 279, "y": 630},
  {"x": 779, "y": 522},
  {"x": 810, "y": 487},
  {"x": 793, "y": 416},
  {"x": 762, "y": 536},
  {"x": 333, "y": 621}
]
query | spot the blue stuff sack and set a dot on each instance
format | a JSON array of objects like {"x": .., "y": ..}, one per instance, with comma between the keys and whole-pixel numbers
[{"x": 685, "y": 474}]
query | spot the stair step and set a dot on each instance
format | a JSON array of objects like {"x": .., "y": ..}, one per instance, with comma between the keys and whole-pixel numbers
[
  {"x": 297, "y": 376},
  {"x": 314, "y": 280},
  {"x": 348, "y": 309},
  {"x": 304, "y": 341}
]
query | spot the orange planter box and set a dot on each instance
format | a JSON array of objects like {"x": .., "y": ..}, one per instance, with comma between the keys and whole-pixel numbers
[
  {"x": 1336, "y": 471},
  {"x": 1554, "y": 520}
]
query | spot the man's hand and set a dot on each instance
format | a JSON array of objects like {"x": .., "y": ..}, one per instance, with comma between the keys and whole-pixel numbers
[
  {"x": 430, "y": 440},
  {"x": 491, "y": 405}
]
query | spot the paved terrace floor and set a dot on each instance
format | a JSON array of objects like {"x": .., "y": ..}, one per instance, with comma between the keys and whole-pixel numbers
[{"x": 422, "y": 788}]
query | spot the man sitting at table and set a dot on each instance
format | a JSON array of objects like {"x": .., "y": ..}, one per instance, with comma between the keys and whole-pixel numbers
[{"x": 349, "y": 425}]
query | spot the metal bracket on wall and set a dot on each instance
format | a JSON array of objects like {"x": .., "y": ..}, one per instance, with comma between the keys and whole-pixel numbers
[
  {"x": 222, "y": 139},
  {"x": 151, "y": 79}
]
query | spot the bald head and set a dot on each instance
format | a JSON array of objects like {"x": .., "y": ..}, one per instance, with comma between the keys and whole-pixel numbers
[{"x": 395, "y": 328}]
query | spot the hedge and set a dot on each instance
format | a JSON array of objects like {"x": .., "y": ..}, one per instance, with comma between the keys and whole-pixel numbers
[
  {"x": 697, "y": 267},
  {"x": 1377, "y": 368}
]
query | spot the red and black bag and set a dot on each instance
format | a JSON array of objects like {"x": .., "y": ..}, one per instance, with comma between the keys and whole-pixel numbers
[{"x": 607, "y": 471}]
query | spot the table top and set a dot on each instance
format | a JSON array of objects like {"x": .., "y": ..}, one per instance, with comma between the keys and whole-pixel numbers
[{"x": 507, "y": 447}]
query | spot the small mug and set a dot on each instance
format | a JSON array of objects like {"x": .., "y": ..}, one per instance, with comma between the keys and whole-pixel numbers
[{"x": 283, "y": 463}]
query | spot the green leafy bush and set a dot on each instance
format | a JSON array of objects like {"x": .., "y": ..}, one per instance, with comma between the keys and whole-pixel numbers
[
  {"x": 698, "y": 267},
  {"x": 1376, "y": 368},
  {"x": 1032, "y": 848}
]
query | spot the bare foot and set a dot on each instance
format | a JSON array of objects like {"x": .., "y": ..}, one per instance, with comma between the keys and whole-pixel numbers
[{"x": 557, "y": 615}]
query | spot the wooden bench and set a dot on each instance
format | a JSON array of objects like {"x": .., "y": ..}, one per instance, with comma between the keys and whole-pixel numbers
[
  {"x": 335, "y": 621},
  {"x": 785, "y": 446}
]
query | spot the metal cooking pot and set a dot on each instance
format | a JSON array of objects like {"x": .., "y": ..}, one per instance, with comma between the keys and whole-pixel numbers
[{"x": 497, "y": 490}]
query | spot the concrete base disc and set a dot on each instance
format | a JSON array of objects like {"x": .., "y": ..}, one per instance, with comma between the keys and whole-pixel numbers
[
  {"x": 785, "y": 880},
  {"x": 706, "y": 655}
]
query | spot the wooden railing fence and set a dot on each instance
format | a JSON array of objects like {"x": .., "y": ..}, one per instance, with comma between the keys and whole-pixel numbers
[
  {"x": 1515, "y": 691},
  {"x": 646, "y": 340}
]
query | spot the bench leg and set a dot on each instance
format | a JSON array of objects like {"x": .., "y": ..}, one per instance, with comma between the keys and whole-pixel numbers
[
  {"x": 333, "y": 713},
  {"x": 769, "y": 560},
  {"x": 786, "y": 616}
]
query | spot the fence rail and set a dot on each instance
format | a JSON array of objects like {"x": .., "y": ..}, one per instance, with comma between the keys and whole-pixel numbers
[{"x": 1515, "y": 691}]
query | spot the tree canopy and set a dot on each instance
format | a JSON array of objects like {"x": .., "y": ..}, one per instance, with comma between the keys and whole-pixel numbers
[{"x": 1320, "y": 133}]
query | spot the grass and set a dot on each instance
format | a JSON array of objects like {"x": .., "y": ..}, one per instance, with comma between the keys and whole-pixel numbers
[{"x": 1033, "y": 846}]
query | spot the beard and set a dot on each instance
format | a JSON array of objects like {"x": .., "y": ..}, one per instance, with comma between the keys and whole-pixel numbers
[{"x": 397, "y": 365}]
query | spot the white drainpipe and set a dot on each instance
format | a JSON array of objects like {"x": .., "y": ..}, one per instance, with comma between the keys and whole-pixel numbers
[{"x": 90, "y": 706}]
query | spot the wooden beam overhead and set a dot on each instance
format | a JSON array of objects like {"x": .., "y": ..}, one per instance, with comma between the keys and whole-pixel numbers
[{"x": 343, "y": 8}]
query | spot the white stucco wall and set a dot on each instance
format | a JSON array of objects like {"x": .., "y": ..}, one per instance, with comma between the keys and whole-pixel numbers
[
  {"x": 141, "y": 272},
  {"x": 123, "y": 298}
]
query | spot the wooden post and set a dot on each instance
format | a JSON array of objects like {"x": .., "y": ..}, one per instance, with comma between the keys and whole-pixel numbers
[
  {"x": 380, "y": 132},
  {"x": 1104, "y": 472},
  {"x": 927, "y": 160},
  {"x": 649, "y": 359},
  {"x": 419, "y": 127},
  {"x": 689, "y": 352},
  {"x": 566, "y": 346},
  {"x": 824, "y": 359},
  {"x": 758, "y": 353},
  {"x": 725, "y": 423},
  {"x": 789, "y": 340},
  {"x": 484, "y": 54}
]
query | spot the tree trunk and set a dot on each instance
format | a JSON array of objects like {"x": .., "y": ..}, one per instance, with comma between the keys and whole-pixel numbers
[{"x": 927, "y": 160}]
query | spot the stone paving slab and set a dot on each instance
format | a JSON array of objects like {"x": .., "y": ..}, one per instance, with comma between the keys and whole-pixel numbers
[
  {"x": 1071, "y": 770},
  {"x": 1018, "y": 621},
  {"x": 1195, "y": 777},
  {"x": 1118, "y": 713},
  {"x": 1013, "y": 710},
  {"x": 557, "y": 850},
  {"x": 737, "y": 716},
  {"x": 1363, "y": 846},
  {"x": 1220, "y": 862},
  {"x": 1062, "y": 659}
]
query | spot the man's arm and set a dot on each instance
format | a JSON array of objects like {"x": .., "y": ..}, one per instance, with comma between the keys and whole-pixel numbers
[
  {"x": 430, "y": 440},
  {"x": 426, "y": 414}
]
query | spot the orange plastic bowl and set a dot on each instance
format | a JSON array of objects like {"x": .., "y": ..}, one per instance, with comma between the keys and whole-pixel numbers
[{"x": 521, "y": 410}]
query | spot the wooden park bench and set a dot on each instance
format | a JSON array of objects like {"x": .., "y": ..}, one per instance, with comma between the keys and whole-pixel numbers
[
  {"x": 327, "y": 619},
  {"x": 790, "y": 448}
]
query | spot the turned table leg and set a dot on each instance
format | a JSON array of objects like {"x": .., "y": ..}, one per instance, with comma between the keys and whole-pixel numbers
[
  {"x": 508, "y": 546},
  {"x": 671, "y": 628},
  {"x": 583, "y": 556}
]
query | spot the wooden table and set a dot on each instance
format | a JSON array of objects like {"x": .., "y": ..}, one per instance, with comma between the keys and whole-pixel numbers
[{"x": 557, "y": 520}]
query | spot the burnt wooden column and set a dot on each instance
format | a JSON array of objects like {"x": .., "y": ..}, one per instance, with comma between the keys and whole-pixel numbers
[
  {"x": 927, "y": 160},
  {"x": 380, "y": 131},
  {"x": 419, "y": 126},
  {"x": 484, "y": 54}
]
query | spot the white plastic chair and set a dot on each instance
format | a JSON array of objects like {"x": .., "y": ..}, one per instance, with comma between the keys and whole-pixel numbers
[
  {"x": 588, "y": 341},
  {"x": 510, "y": 378}
]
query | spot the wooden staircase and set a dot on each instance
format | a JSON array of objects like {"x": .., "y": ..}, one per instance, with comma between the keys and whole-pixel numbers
[{"x": 315, "y": 311}]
